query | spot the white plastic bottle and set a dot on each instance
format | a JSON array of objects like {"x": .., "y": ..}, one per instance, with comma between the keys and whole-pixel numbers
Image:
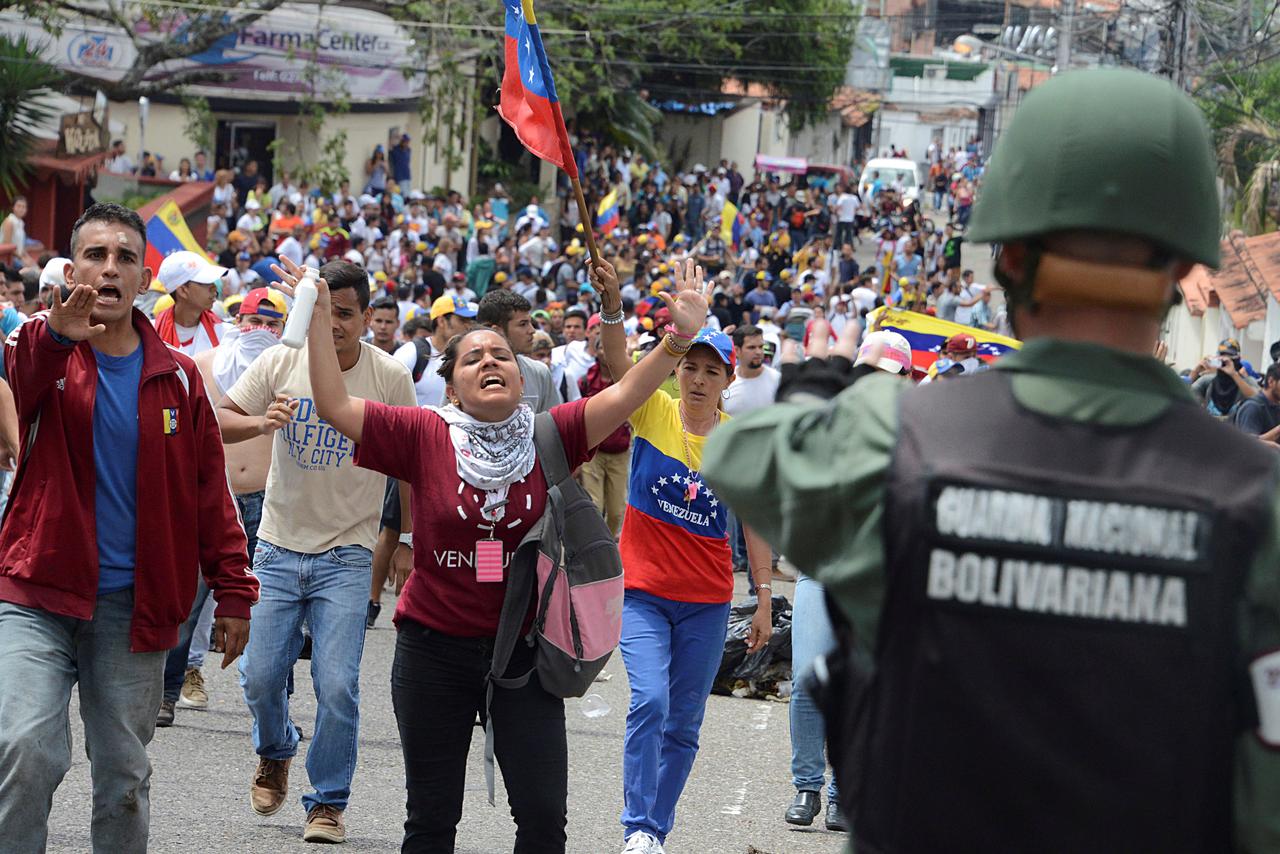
[{"x": 304, "y": 300}]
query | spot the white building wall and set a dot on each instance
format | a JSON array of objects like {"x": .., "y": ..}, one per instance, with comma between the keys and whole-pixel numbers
[{"x": 166, "y": 135}]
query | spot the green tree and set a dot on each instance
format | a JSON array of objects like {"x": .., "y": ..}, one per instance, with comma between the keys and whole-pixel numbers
[
  {"x": 26, "y": 83},
  {"x": 612, "y": 58},
  {"x": 1242, "y": 104}
]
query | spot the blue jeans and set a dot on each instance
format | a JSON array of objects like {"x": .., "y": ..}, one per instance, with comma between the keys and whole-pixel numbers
[
  {"x": 811, "y": 636},
  {"x": 41, "y": 656},
  {"x": 330, "y": 590},
  {"x": 672, "y": 651},
  {"x": 193, "y": 636}
]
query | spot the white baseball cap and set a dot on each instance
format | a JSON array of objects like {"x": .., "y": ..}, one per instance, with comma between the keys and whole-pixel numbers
[
  {"x": 54, "y": 273},
  {"x": 182, "y": 267},
  {"x": 891, "y": 351}
]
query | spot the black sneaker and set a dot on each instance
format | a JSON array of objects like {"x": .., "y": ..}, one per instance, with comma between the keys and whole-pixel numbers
[
  {"x": 375, "y": 608},
  {"x": 164, "y": 717}
]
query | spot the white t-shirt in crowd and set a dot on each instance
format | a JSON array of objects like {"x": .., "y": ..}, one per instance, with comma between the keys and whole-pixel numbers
[
  {"x": 290, "y": 248},
  {"x": 193, "y": 339},
  {"x": 846, "y": 207},
  {"x": 746, "y": 395},
  {"x": 317, "y": 499},
  {"x": 430, "y": 388},
  {"x": 964, "y": 313}
]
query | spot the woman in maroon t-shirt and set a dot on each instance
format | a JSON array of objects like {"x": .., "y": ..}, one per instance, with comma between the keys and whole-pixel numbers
[{"x": 475, "y": 479}]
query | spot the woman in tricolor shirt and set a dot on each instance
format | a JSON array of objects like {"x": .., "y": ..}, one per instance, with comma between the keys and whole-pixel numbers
[
  {"x": 475, "y": 476},
  {"x": 679, "y": 581}
]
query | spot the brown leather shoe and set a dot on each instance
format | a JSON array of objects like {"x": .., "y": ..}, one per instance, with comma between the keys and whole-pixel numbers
[
  {"x": 270, "y": 785},
  {"x": 324, "y": 824}
]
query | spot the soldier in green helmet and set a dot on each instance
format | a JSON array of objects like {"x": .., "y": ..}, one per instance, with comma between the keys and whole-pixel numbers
[{"x": 1057, "y": 583}]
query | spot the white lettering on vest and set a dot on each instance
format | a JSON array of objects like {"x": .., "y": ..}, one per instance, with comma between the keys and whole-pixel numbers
[{"x": 1051, "y": 588}]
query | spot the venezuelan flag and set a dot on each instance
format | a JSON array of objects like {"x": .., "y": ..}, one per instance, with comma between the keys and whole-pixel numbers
[
  {"x": 927, "y": 335},
  {"x": 529, "y": 102},
  {"x": 167, "y": 233},
  {"x": 608, "y": 215},
  {"x": 733, "y": 225}
]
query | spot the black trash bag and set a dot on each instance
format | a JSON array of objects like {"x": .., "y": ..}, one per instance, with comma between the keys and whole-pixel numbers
[{"x": 760, "y": 673}]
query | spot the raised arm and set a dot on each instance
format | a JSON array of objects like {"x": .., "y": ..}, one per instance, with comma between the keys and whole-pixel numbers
[
  {"x": 344, "y": 412},
  {"x": 613, "y": 338},
  {"x": 608, "y": 409}
]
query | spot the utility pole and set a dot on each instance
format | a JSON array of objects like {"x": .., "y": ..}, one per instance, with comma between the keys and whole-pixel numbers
[{"x": 1063, "y": 59}]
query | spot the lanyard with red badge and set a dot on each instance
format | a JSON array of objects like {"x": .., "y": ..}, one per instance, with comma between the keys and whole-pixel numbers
[{"x": 489, "y": 550}]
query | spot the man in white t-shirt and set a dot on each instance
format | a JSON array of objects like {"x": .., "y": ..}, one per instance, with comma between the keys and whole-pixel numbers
[
  {"x": 291, "y": 246},
  {"x": 846, "y": 210},
  {"x": 754, "y": 386},
  {"x": 970, "y": 296},
  {"x": 189, "y": 324},
  {"x": 450, "y": 316},
  {"x": 319, "y": 525}
]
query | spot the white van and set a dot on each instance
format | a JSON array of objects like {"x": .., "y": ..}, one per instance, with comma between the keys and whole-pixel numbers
[{"x": 891, "y": 169}]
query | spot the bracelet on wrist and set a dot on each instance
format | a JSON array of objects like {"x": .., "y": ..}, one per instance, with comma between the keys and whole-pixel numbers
[
  {"x": 671, "y": 330},
  {"x": 612, "y": 318},
  {"x": 672, "y": 349},
  {"x": 765, "y": 586}
]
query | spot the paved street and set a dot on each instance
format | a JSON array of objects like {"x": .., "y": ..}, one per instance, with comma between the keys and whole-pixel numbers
[{"x": 200, "y": 789}]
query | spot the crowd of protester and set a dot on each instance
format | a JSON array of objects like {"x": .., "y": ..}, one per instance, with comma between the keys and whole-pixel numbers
[{"x": 481, "y": 305}]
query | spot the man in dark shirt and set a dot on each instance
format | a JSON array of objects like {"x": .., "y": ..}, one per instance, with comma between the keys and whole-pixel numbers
[{"x": 1260, "y": 414}]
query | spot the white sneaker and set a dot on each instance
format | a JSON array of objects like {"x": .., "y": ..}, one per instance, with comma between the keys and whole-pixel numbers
[{"x": 641, "y": 842}]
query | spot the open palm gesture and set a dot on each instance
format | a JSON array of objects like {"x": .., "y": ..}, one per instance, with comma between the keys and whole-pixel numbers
[
  {"x": 70, "y": 318},
  {"x": 689, "y": 306}
]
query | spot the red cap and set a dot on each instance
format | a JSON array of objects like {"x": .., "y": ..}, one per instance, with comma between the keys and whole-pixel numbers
[
  {"x": 961, "y": 342},
  {"x": 593, "y": 321},
  {"x": 263, "y": 301}
]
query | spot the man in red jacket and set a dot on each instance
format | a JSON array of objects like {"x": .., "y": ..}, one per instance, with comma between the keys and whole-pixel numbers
[{"x": 118, "y": 437}]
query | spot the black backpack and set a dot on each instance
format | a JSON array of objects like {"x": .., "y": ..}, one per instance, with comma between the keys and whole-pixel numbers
[{"x": 423, "y": 346}]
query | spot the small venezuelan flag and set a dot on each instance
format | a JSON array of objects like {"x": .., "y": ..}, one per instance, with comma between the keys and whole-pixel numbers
[{"x": 608, "y": 215}]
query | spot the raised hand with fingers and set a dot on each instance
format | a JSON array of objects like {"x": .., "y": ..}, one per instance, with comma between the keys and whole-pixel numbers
[
  {"x": 70, "y": 318},
  {"x": 689, "y": 306},
  {"x": 604, "y": 278}
]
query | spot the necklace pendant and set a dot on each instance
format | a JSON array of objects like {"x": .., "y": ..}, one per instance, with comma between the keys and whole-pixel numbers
[{"x": 690, "y": 492}]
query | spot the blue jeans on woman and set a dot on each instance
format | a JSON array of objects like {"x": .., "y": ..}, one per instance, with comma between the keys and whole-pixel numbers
[
  {"x": 811, "y": 636},
  {"x": 330, "y": 590},
  {"x": 672, "y": 651}
]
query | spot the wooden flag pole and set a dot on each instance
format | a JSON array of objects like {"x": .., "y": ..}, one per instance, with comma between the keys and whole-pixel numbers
[{"x": 584, "y": 215}]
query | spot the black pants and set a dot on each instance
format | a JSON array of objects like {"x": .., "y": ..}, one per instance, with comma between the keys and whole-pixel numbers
[{"x": 437, "y": 687}]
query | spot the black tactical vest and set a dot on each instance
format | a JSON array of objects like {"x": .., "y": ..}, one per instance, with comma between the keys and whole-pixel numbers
[{"x": 1058, "y": 665}]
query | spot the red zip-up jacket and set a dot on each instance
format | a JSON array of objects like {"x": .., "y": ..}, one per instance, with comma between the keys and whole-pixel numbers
[{"x": 187, "y": 518}]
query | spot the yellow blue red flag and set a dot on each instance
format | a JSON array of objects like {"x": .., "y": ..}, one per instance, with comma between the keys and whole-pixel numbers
[
  {"x": 529, "y": 102},
  {"x": 927, "y": 335}
]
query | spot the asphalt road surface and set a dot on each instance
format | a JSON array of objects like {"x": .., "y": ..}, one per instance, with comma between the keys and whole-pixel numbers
[{"x": 740, "y": 786}]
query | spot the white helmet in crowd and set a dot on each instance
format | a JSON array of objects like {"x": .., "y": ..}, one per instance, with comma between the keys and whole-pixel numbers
[{"x": 886, "y": 351}]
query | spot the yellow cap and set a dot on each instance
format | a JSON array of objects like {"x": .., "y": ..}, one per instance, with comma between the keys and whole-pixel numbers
[
  {"x": 761, "y": 276},
  {"x": 483, "y": 223},
  {"x": 903, "y": 282},
  {"x": 664, "y": 267},
  {"x": 421, "y": 247},
  {"x": 786, "y": 274},
  {"x": 642, "y": 239},
  {"x": 500, "y": 276},
  {"x": 380, "y": 276},
  {"x": 232, "y": 302}
]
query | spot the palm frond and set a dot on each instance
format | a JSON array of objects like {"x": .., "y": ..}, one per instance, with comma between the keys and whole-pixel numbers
[{"x": 26, "y": 84}]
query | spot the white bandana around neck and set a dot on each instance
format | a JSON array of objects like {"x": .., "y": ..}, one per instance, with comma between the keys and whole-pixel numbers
[
  {"x": 491, "y": 455},
  {"x": 237, "y": 351}
]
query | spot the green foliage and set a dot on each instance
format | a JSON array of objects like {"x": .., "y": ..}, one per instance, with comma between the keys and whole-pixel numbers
[
  {"x": 25, "y": 85},
  {"x": 325, "y": 94},
  {"x": 611, "y": 58},
  {"x": 1242, "y": 104},
  {"x": 198, "y": 122}
]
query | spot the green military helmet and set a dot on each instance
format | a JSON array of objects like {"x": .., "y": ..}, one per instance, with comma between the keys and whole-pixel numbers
[{"x": 1104, "y": 149}]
